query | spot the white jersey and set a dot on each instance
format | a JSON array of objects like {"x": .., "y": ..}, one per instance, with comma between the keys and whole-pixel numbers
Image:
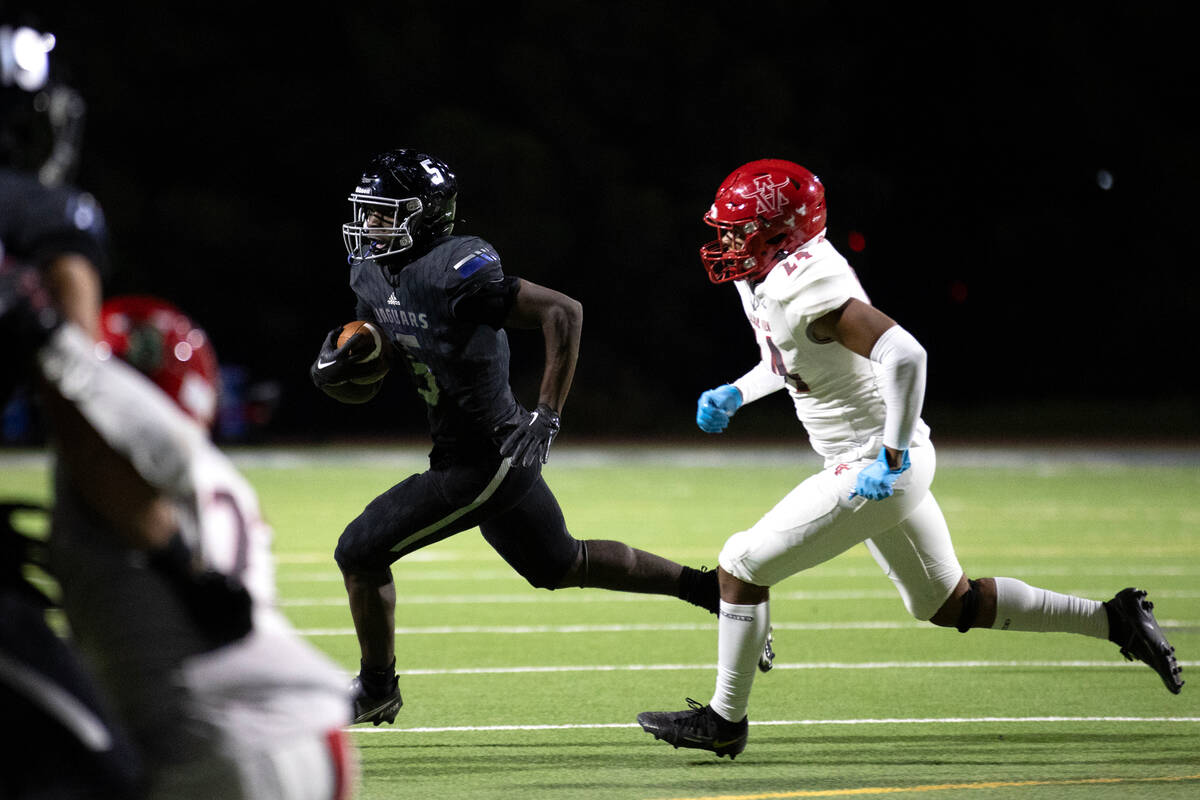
[
  {"x": 273, "y": 683},
  {"x": 836, "y": 392},
  {"x": 185, "y": 707}
]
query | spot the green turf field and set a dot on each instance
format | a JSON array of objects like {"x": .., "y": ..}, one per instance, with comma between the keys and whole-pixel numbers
[{"x": 515, "y": 692}]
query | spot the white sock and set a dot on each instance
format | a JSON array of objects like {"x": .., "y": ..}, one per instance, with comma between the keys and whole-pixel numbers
[
  {"x": 1021, "y": 607},
  {"x": 741, "y": 635}
]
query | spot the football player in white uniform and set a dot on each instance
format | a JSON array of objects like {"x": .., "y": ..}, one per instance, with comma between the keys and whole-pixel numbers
[
  {"x": 169, "y": 586},
  {"x": 857, "y": 380}
]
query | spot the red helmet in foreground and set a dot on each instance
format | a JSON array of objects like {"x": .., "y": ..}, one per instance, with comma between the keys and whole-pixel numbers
[
  {"x": 763, "y": 212},
  {"x": 160, "y": 341}
]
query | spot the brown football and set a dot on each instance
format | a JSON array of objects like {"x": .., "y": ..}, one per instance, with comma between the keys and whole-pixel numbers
[
  {"x": 373, "y": 344},
  {"x": 351, "y": 328}
]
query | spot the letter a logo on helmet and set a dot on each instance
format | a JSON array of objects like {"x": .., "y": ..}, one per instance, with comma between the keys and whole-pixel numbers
[{"x": 769, "y": 196}]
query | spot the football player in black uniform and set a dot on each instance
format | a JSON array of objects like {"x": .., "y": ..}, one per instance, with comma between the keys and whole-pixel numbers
[
  {"x": 51, "y": 254},
  {"x": 443, "y": 303},
  {"x": 44, "y": 220}
]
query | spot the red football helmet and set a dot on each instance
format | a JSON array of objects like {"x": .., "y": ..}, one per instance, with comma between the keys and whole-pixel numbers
[
  {"x": 763, "y": 211},
  {"x": 160, "y": 341}
]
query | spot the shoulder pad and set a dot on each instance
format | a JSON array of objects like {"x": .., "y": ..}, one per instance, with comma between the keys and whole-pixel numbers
[
  {"x": 474, "y": 261},
  {"x": 818, "y": 286},
  {"x": 469, "y": 254}
]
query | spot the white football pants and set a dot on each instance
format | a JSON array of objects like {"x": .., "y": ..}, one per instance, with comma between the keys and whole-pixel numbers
[{"x": 906, "y": 533}]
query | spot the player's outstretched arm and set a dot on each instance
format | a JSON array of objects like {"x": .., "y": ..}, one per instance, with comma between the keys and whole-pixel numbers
[
  {"x": 74, "y": 282},
  {"x": 123, "y": 446},
  {"x": 716, "y": 406},
  {"x": 560, "y": 319},
  {"x": 870, "y": 333}
]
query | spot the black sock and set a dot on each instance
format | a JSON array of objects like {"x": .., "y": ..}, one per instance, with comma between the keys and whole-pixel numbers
[
  {"x": 699, "y": 587},
  {"x": 378, "y": 682},
  {"x": 1118, "y": 634}
]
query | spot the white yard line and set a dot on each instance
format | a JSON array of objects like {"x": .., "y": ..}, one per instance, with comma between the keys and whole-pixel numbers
[
  {"x": 591, "y": 598},
  {"x": 828, "y": 665},
  {"x": 510, "y": 630},
  {"x": 789, "y": 722}
]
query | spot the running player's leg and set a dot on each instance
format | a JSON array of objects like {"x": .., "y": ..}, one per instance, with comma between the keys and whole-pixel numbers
[
  {"x": 533, "y": 538},
  {"x": 918, "y": 556},
  {"x": 415, "y": 513},
  {"x": 364, "y": 555},
  {"x": 813, "y": 523}
]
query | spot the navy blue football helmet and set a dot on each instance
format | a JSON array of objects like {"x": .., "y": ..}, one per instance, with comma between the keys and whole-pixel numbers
[
  {"x": 405, "y": 199},
  {"x": 41, "y": 118}
]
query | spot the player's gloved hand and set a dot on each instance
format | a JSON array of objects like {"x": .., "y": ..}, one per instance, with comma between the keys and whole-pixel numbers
[
  {"x": 716, "y": 406},
  {"x": 530, "y": 441},
  {"x": 218, "y": 604},
  {"x": 877, "y": 480},
  {"x": 357, "y": 361}
]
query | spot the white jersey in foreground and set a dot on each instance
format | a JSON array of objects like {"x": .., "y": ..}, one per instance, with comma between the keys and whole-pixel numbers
[
  {"x": 256, "y": 718},
  {"x": 836, "y": 392}
]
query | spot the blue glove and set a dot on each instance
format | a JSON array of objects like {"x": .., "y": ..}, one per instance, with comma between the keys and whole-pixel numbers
[
  {"x": 716, "y": 406},
  {"x": 877, "y": 480}
]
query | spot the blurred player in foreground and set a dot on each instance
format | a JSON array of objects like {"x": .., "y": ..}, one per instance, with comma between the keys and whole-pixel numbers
[
  {"x": 857, "y": 380},
  {"x": 442, "y": 303},
  {"x": 222, "y": 698},
  {"x": 174, "y": 607},
  {"x": 67, "y": 743}
]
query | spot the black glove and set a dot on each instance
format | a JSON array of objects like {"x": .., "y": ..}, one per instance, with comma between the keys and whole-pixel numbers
[
  {"x": 218, "y": 604},
  {"x": 530, "y": 441},
  {"x": 27, "y": 318},
  {"x": 337, "y": 365}
]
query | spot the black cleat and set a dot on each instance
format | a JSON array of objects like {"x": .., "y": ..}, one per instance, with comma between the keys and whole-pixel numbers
[
  {"x": 1132, "y": 627},
  {"x": 699, "y": 727},
  {"x": 766, "y": 659},
  {"x": 369, "y": 708}
]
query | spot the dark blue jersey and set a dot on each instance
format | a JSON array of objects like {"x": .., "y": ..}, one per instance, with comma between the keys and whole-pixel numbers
[
  {"x": 38, "y": 223},
  {"x": 442, "y": 312}
]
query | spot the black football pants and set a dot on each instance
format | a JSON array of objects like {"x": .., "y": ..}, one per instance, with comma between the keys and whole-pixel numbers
[{"x": 513, "y": 507}]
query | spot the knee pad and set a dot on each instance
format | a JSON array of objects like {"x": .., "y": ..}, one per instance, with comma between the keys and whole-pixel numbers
[{"x": 970, "y": 607}]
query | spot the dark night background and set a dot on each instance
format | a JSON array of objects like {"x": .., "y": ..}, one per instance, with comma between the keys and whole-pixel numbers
[{"x": 972, "y": 151}]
